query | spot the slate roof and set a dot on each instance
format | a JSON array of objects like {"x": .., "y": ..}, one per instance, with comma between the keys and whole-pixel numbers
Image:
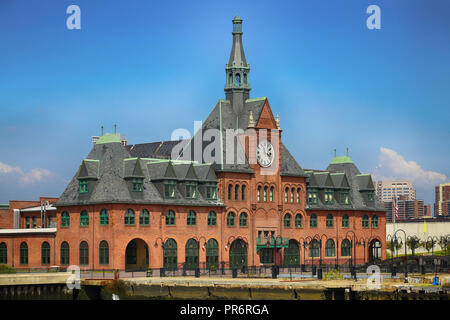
[
  {"x": 116, "y": 170},
  {"x": 342, "y": 175}
]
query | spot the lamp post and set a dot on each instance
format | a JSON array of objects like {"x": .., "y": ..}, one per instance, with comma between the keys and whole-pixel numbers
[
  {"x": 406, "y": 257},
  {"x": 433, "y": 238}
]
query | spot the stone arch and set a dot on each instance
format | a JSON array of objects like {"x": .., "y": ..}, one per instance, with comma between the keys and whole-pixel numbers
[{"x": 136, "y": 255}]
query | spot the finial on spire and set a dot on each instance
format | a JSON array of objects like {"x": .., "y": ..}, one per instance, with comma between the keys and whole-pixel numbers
[
  {"x": 251, "y": 121},
  {"x": 278, "y": 122},
  {"x": 115, "y": 126},
  {"x": 102, "y": 130}
]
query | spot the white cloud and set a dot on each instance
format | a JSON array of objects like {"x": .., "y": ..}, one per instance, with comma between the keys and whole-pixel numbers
[
  {"x": 392, "y": 166},
  {"x": 26, "y": 178}
]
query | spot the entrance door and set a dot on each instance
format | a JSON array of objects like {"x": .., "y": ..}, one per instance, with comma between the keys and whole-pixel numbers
[
  {"x": 136, "y": 255},
  {"x": 238, "y": 254}
]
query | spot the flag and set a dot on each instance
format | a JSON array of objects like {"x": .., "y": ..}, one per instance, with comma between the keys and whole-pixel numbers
[{"x": 424, "y": 226}]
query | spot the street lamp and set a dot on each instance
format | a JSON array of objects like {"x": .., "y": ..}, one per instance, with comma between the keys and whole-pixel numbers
[{"x": 406, "y": 257}]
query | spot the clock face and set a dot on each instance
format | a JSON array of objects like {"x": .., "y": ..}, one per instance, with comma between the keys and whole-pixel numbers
[{"x": 265, "y": 153}]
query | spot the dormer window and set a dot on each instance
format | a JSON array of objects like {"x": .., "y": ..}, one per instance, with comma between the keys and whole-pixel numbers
[
  {"x": 169, "y": 189},
  {"x": 312, "y": 196},
  {"x": 191, "y": 190},
  {"x": 329, "y": 196},
  {"x": 211, "y": 192},
  {"x": 84, "y": 186},
  {"x": 344, "y": 197},
  {"x": 138, "y": 184},
  {"x": 370, "y": 196}
]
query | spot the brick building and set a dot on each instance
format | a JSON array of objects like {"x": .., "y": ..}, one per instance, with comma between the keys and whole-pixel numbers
[{"x": 233, "y": 195}]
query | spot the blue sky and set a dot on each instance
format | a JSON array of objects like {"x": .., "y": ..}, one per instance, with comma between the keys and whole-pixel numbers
[{"x": 155, "y": 66}]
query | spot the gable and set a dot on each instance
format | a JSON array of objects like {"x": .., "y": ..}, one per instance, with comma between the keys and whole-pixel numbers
[{"x": 266, "y": 119}]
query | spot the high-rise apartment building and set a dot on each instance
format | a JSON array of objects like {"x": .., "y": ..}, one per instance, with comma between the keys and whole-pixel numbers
[
  {"x": 442, "y": 200},
  {"x": 386, "y": 190}
]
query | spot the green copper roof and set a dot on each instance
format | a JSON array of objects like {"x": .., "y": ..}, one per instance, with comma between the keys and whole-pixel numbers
[
  {"x": 256, "y": 99},
  {"x": 341, "y": 160},
  {"x": 108, "y": 138}
]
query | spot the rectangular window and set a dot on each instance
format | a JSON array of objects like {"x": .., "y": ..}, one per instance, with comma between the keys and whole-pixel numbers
[
  {"x": 33, "y": 219},
  {"x": 211, "y": 192},
  {"x": 266, "y": 255},
  {"x": 27, "y": 222},
  {"x": 344, "y": 197},
  {"x": 329, "y": 196},
  {"x": 191, "y": 190},
  {"x": 370, "y": 196},
  {"x": 84, "y": 186},
  {"x": 138, "y": 184},
  {"x": 312, "y": 196},
  {"x": 169, "y": 189}
]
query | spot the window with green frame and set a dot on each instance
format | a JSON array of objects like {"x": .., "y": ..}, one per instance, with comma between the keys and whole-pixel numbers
[
  {"x": 65, "y": 219},
  {"x": 104, "y": 217},
  {"x": 84, "y": 218},
  {"x": 84, "y": 253},
  {"x": 374, "y": 221},
  {"x": 329, "y": 248},
  {"x": 345, "y": 221},
  {"x": 258, "y": 194},
  {"x": 191, "y": 190},
  {"x": 287, "y": 220},
  {"x": 129, "y": 217},
  {"x": 64, "y": 253},
  {"x": 312, "y": 196},
  {"x": 138, "y": 184},
  {"x": 191, "y": 218},
  {"x": 3, "y": 253},
  {"x": 169, "y": 189},
  {"x": 230, "y": 219},
  {"x": 265, "y": 194},
  {"x": 45, "y": 253},
  {"x": 144, "y": 218},
  {"x": 34, "y": 221},
  {"x": 329, "y": 221},
  {"x": 243, "y": 219},
  {"x": 103, "y": 252},
  {"x": 27, "y": 222},
  {"x": 243, "y": 192},
  {"x": 313, "y": 221},
  {"x": 329, "y": 196},
  {"x": 298, "y": 195},
  {"x": 266, "y": 255},
  {"x": 292, "y": 194},
  {"x": 298, "y": 221},
  {"x": 345, "y": 197},
  {"x": 212, "y": 254},
  {"x": 314, "y": 248},
  {"x": 345, "y": 248},
  {"x": 170, "y": 218},
  {"x": 212, "y": 218},
  {"x": 84, "y": 186},
  {"x": 286, "y": 195},
  {"x": 236, "y": 192},
  {"x": 170, "y": 258},
  {"x": 230, "y": 192},
  {"x": 211, "y": 191},
  {"x": 23, "y": 253},
  {"x": 272, "y": 189},
  {"x": 365, "y": 221},
  {"x": 370, "y": 196},
  {"x": 191, "y": 254}
]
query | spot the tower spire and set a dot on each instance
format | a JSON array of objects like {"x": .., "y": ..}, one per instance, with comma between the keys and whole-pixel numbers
[{"x": 237, "y": 86}]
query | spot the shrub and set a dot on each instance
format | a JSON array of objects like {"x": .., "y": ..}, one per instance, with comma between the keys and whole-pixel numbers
[{"x": 6, "y": 269}]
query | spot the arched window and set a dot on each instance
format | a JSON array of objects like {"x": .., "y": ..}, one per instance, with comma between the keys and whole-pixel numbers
[
  {"x": 191, "y": 254},
  {"x": 129, "y": 217},
  {"x": 374, "y": 221},
  {"x": 365, "y": 221},
  {"x": 191, "y": 218},
  {"x": 245, "y": 78},
  {"x": 313, "y": 221},
  {"x": 238, "y": 79},
  {"x": 314, "y": 248},
  {"x": 212, "y": 254},
  {"x": 329, "y": 248},
  {"x": 230, "y": 192},
  {"x": 84, "y": 253},
  {"x": 65, "y": 220},
  {"x": 329, "y": 221},
  {"x": 287, "y": 220},
  {"x": 345, "y": 221},
  {"x": 286, "y": 195},
  {"x": 271, "y": 193},
  {"x": 84, "y": 218},
  {"x": 265, "y": 194},
  {"x": 259, "y": 194},
  {"x": 230, "y": 219},
  {"x": 292, "y": 254},
  {"x": 292, "y": 194},
  {"x": 236, "y": 192},
  {"x": 104, "y": 218},
  {"x": 170, "y": 218},
  {"x": 45, "y": 253},
  {"x": 3, "y": 253},
  {"x": 144, "y": 218},
  {"x": 64, "y": 253},
  {"x": 345, "y": 248},
  {"x": 243, "y": 219},
  {"x": 238, "y": 254},
  {"x": 298, "y": 195},
  {"x": 230, "y": 79},
  {"x": 23, "y": 253},
  {"x": 104, "y": 252},
  {"x": 212, "y": 218},
  {"x": 170, "y": 254},
  {"x": 243, "y": 192},
  {"x": 298, "y": 221}
]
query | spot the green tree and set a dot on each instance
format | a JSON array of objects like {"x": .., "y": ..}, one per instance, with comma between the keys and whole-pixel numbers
[{"x": 413, "y": 243}]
